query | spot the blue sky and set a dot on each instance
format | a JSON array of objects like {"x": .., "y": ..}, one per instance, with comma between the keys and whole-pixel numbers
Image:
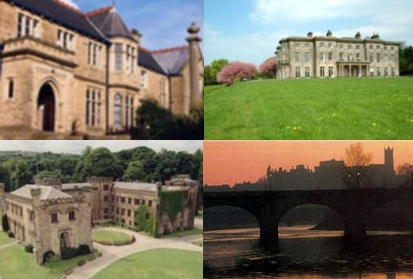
[
  {"x": 162, "y": 23},
  {"x": 249, "y": 30}
]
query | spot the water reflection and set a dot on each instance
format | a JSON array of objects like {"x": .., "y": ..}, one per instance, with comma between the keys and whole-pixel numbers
[{"x": 303, "y": 253}]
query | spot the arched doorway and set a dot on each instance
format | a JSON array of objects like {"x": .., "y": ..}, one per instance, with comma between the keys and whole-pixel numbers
[
  {"x": 64, "y": 240},
  {"x": 46, "y": 108}
]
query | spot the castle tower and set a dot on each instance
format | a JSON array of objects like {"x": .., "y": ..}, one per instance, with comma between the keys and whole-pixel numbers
[
  {"x": 194, "y": 40},
  {"x": 388, "y": 158}
]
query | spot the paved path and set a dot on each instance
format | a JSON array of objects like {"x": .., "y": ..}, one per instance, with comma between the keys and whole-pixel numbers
[
  {"x": 111, "y": 254},
  {"x": 199, "y": 223},
  {"x": 9, "y": 244}
]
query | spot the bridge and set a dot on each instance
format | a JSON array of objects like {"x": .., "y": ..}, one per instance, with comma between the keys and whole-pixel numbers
[{"x": 353, "y": 205}]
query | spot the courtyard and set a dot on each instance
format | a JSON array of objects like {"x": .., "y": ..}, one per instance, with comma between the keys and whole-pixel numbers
[
  {"x": 342, "y": 108},
  {"x": 141, "y": 257}
]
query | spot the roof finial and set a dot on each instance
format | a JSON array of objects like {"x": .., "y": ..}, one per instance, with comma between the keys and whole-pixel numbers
[{"x": 113, "y": 5}]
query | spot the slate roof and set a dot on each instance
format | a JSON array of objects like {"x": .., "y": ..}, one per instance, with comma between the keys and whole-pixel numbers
[
  {"x": 146, "y": 60},
  {"x": 110, "y": 23},
  {"x": 47, "y": 192},
  {"x": 136, "y": 186},
  {"x": 63, "y": 14},
  {"x": 173, "y": 59}
]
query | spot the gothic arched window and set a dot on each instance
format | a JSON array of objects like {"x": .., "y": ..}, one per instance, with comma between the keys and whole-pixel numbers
[{"x": 117, "y": 117}]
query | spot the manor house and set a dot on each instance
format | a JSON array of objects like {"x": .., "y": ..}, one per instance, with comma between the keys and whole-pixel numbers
[
  {"x": 51, "y": 215},
  {"x": 328, "y": 56},
  {"x": 68, "y": 71}
]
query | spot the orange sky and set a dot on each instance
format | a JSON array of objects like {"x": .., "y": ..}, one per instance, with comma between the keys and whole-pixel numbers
[{"x": 228, "y": 162}]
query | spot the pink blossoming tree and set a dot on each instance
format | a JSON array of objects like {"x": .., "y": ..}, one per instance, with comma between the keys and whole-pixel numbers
[
  {"x": 269, "y": 67},
  {"x": 236, "y": 71}
]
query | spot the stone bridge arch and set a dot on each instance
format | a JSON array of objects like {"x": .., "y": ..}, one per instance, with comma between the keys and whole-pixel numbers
[
  {"x": 248, "y": 217},
  {"x": 353, "y": 205}
]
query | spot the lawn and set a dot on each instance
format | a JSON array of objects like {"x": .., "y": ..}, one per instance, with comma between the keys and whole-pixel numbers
[
  {"x": 109, "y": 236},
  {"x": 157, "y": 263},
  {"x": 363, "y": 108},
  {"x": 15, "y": 263},
  {"x": 183, "y": 233},
  {"x": 4, "y": 238}
]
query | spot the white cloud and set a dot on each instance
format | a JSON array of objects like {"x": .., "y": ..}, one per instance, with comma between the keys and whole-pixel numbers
[
  {"x": 252, "y": 47},
  {"x": 71, "y": 3}
]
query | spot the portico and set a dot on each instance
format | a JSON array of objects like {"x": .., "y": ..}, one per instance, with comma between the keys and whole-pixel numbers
[{"x": 353, "y": 68}]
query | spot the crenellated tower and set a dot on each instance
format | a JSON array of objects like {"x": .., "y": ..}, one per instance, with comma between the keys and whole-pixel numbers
[{"x": 388, "y": 158}]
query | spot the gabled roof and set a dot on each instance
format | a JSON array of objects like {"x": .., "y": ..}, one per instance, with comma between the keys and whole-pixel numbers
[
  {"x": 172, "y": 59},
  {"x": 47, "y": 192},
  {"x": 141, "y": 186},
  {"x": 110, "y": 23},
  {"x": 145, "y": 59},
  {"x": 67, "y": 16}
]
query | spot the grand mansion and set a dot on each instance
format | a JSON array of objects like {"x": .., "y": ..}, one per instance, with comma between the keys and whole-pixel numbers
[
  {"x": 328, "y": 56},
  {"x": 52, "y": 216},
  {"x": 67, "y": 71}
]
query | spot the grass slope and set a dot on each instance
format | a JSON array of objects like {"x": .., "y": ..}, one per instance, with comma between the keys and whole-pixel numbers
[
  {"x": 361, "y": 108},
  {"x": 4, "y": 238},
  {"x": 157, "y": 263}
]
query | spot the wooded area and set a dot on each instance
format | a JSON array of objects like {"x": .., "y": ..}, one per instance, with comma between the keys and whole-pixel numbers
[{"x": 18, "y": 168}]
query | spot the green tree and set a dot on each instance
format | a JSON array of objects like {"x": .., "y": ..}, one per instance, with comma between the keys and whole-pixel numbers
[
  {"x": 216, "y": 67},
  {"x": 406, "y": 60},
  {"x": 208, "y": 78},
  {"x": 102, "y": 162},
  {"x": 134, "y": 171},
  {"x": 19, "y": 173}
]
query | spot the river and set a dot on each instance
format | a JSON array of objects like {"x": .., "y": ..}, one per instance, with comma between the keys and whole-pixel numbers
[{"x": 305, "y": 253}]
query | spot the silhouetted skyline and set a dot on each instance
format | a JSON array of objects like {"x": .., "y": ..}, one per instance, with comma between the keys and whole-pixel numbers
[{"x": 229, "y": 162}]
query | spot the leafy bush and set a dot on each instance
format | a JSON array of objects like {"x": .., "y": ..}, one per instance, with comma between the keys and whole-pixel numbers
[
  {"x": 10, "y": 234},
  {"x": 155, "y": 122},
  {"x": 48, "y": 255},
  {"x": 28, "y": 248},
  {"x": 68, "y": 253},
  {"x": 83, "y": 250}
]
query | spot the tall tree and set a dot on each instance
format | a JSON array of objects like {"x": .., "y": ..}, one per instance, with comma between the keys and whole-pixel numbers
[
  {"x": 134, "y": 172},
  {"x": 355, "y": 155},
  {"x": 102, "y": 162},
  {"x": 216, "y": 67},
  {"x": 19, "y": 173},
  {"x": 357, "y": 162},
  {"x": 208, "y": 78}
]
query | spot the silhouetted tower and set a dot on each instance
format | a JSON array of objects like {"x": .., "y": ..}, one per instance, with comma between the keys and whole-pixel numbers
[{"x": 388, "y": 158}]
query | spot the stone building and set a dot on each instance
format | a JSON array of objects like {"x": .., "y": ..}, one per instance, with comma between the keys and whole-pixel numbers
[
  {"x": 48, "y": 218},
  {"x": 328, "y": 56},
  {"x": 51, "y": 215},
  {"x": 331, "y": 174},
  {"x": 67, "y": 71}
]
